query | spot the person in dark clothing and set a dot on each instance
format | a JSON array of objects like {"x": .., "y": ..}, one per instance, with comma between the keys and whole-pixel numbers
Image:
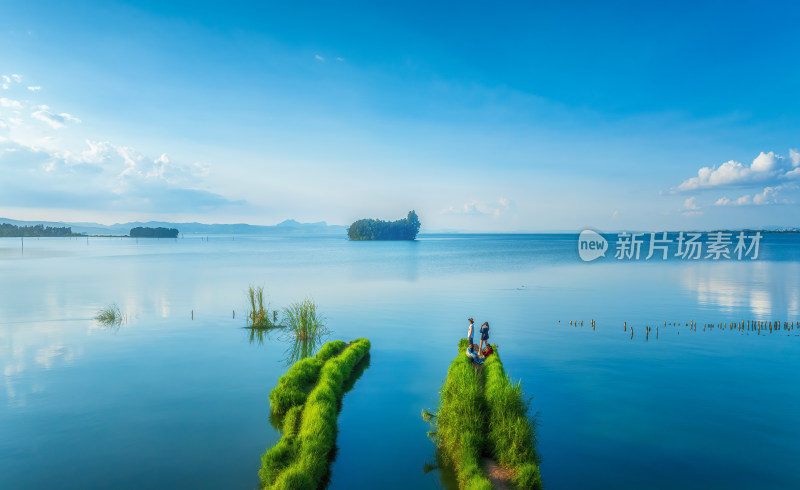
[{"x": 484, "y": 335}]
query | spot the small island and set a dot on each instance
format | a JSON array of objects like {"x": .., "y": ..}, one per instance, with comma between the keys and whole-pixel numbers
[
  {"x": 9, "y": 230},
  {"x": 144, "y": 232},
  {"x": 375, "y": 229}
]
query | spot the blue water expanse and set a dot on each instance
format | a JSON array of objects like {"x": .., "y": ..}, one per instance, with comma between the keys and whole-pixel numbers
[{"x": 178, "y": 395}]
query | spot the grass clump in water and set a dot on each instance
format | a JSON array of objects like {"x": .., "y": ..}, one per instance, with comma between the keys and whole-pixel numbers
[
  {"x": 512, "y": 438},
  {"x": 259, "y": 316},
  {"x": 301, "y": 458},
  {"x": 110, "y": 316},
  {"x": 304, "y": 321},
  {"x": 481, "y": 413}
]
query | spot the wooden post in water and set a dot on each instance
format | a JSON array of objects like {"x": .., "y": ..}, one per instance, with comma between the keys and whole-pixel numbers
[
  {"x": 234, "y": 314},
  {"x": 192, "y": 314}
]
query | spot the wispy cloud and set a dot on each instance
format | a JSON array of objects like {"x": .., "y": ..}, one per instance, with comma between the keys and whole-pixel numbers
[
  {"x": 34, "y": 88},
  {"x": 765, "y": 168},
  {"x": 471, "y": 208},
  {"x": 10, "y": 103},
  {"x": 480, "y": 208},
  {"x": 7, "y": 80},
  {"x": 55, "y": 121},
  {"x": 66, "y": 170},
  {"x": 690, "y": 207},
  {"x": 319, "y": 57},
  {"x": 768, "y": 196}
]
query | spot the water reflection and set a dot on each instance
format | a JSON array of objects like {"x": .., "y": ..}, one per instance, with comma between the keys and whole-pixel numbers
[
  {"x": 448, "y": 478},
  {"x": 758, "y": 288},
  {"x": 297, "y": 348},
  {"x": 300, "y": 348},
  {"x": 257, "y": 335}
]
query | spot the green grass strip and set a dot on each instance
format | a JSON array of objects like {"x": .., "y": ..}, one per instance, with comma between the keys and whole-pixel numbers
[
  {"x": 294, "y": 386},
  {"x": 301, "y": 458},
  {"x": 483, "y": 413},
  {"x": 461, "y": 421},
  {"x": 511, "y": 434}
]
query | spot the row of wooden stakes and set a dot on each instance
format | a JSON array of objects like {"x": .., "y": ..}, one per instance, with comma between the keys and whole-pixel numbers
[{"x": 741, "y": 326}]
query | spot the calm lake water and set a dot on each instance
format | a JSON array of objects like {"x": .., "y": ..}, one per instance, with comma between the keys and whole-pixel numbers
[{"x": 168, "y": 401}]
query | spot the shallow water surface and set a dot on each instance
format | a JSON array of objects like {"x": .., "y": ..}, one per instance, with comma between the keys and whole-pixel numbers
[{"x": 177, "y": 396}]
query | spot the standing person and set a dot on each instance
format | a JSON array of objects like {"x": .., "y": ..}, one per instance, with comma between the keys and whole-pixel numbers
[
  {"x": 470, "y": 330},
  {"x": 484, "y": 335}
]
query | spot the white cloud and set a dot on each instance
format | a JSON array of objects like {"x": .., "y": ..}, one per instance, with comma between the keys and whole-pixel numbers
[
  {"x": 7, "y": 80},
  {"x": 201, "y": 170},
  {"x": 339, "y": 58},
  {"x": 10, "y": 103},
  {"x": 55, "y": 121},
  {"x": 768, "y": 196},
  {"x": 318, "y": 57},
  {"x": 478, "y": 208},
  {"x": 794, "y": 155},
  {"x": 471, "y": 208},
  {"x": 102, "y": 176},
  {"x": 766, "y": 167},
  {"x": 690, "y": 207},
  {"x": 43, "y": 169},
  {"x": 34, "y": 88}
]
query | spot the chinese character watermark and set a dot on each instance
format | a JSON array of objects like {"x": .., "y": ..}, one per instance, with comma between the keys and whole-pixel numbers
[{"x": 717, "y": 245}]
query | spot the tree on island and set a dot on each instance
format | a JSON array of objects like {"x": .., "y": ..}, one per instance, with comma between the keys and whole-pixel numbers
[
  {"x": 375, "y": 229},
  {"x": 9, "y": 230},
  {"x": 144, "y": 232}
]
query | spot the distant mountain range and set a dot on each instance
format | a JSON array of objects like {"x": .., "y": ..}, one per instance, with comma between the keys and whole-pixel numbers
[{"x": 288, "y": 226}]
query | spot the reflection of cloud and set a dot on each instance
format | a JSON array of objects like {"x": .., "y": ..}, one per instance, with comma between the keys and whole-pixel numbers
[
  {"x": 25, "y": 348},
  {"x": 793, "y": 308},
  {"x": 760, "y": 303},
  {"x": 165, "y": 309},
  {"x": 760, "y": 288},
  {"x": 732, "y": 287},
  {"x": 48, "y": 355}
]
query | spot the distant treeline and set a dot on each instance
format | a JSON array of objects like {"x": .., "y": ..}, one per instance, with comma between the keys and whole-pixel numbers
[
  {"x": 375, "y": 229},
  {"x": 142, "y": 232},
  {"x": 9, "y": 230}
]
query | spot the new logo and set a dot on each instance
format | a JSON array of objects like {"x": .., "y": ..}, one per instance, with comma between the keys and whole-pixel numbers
[{"x": 591, "y": 245}]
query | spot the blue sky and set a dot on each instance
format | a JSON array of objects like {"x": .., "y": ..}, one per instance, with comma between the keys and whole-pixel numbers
[{"x": 518, "y": 116}]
